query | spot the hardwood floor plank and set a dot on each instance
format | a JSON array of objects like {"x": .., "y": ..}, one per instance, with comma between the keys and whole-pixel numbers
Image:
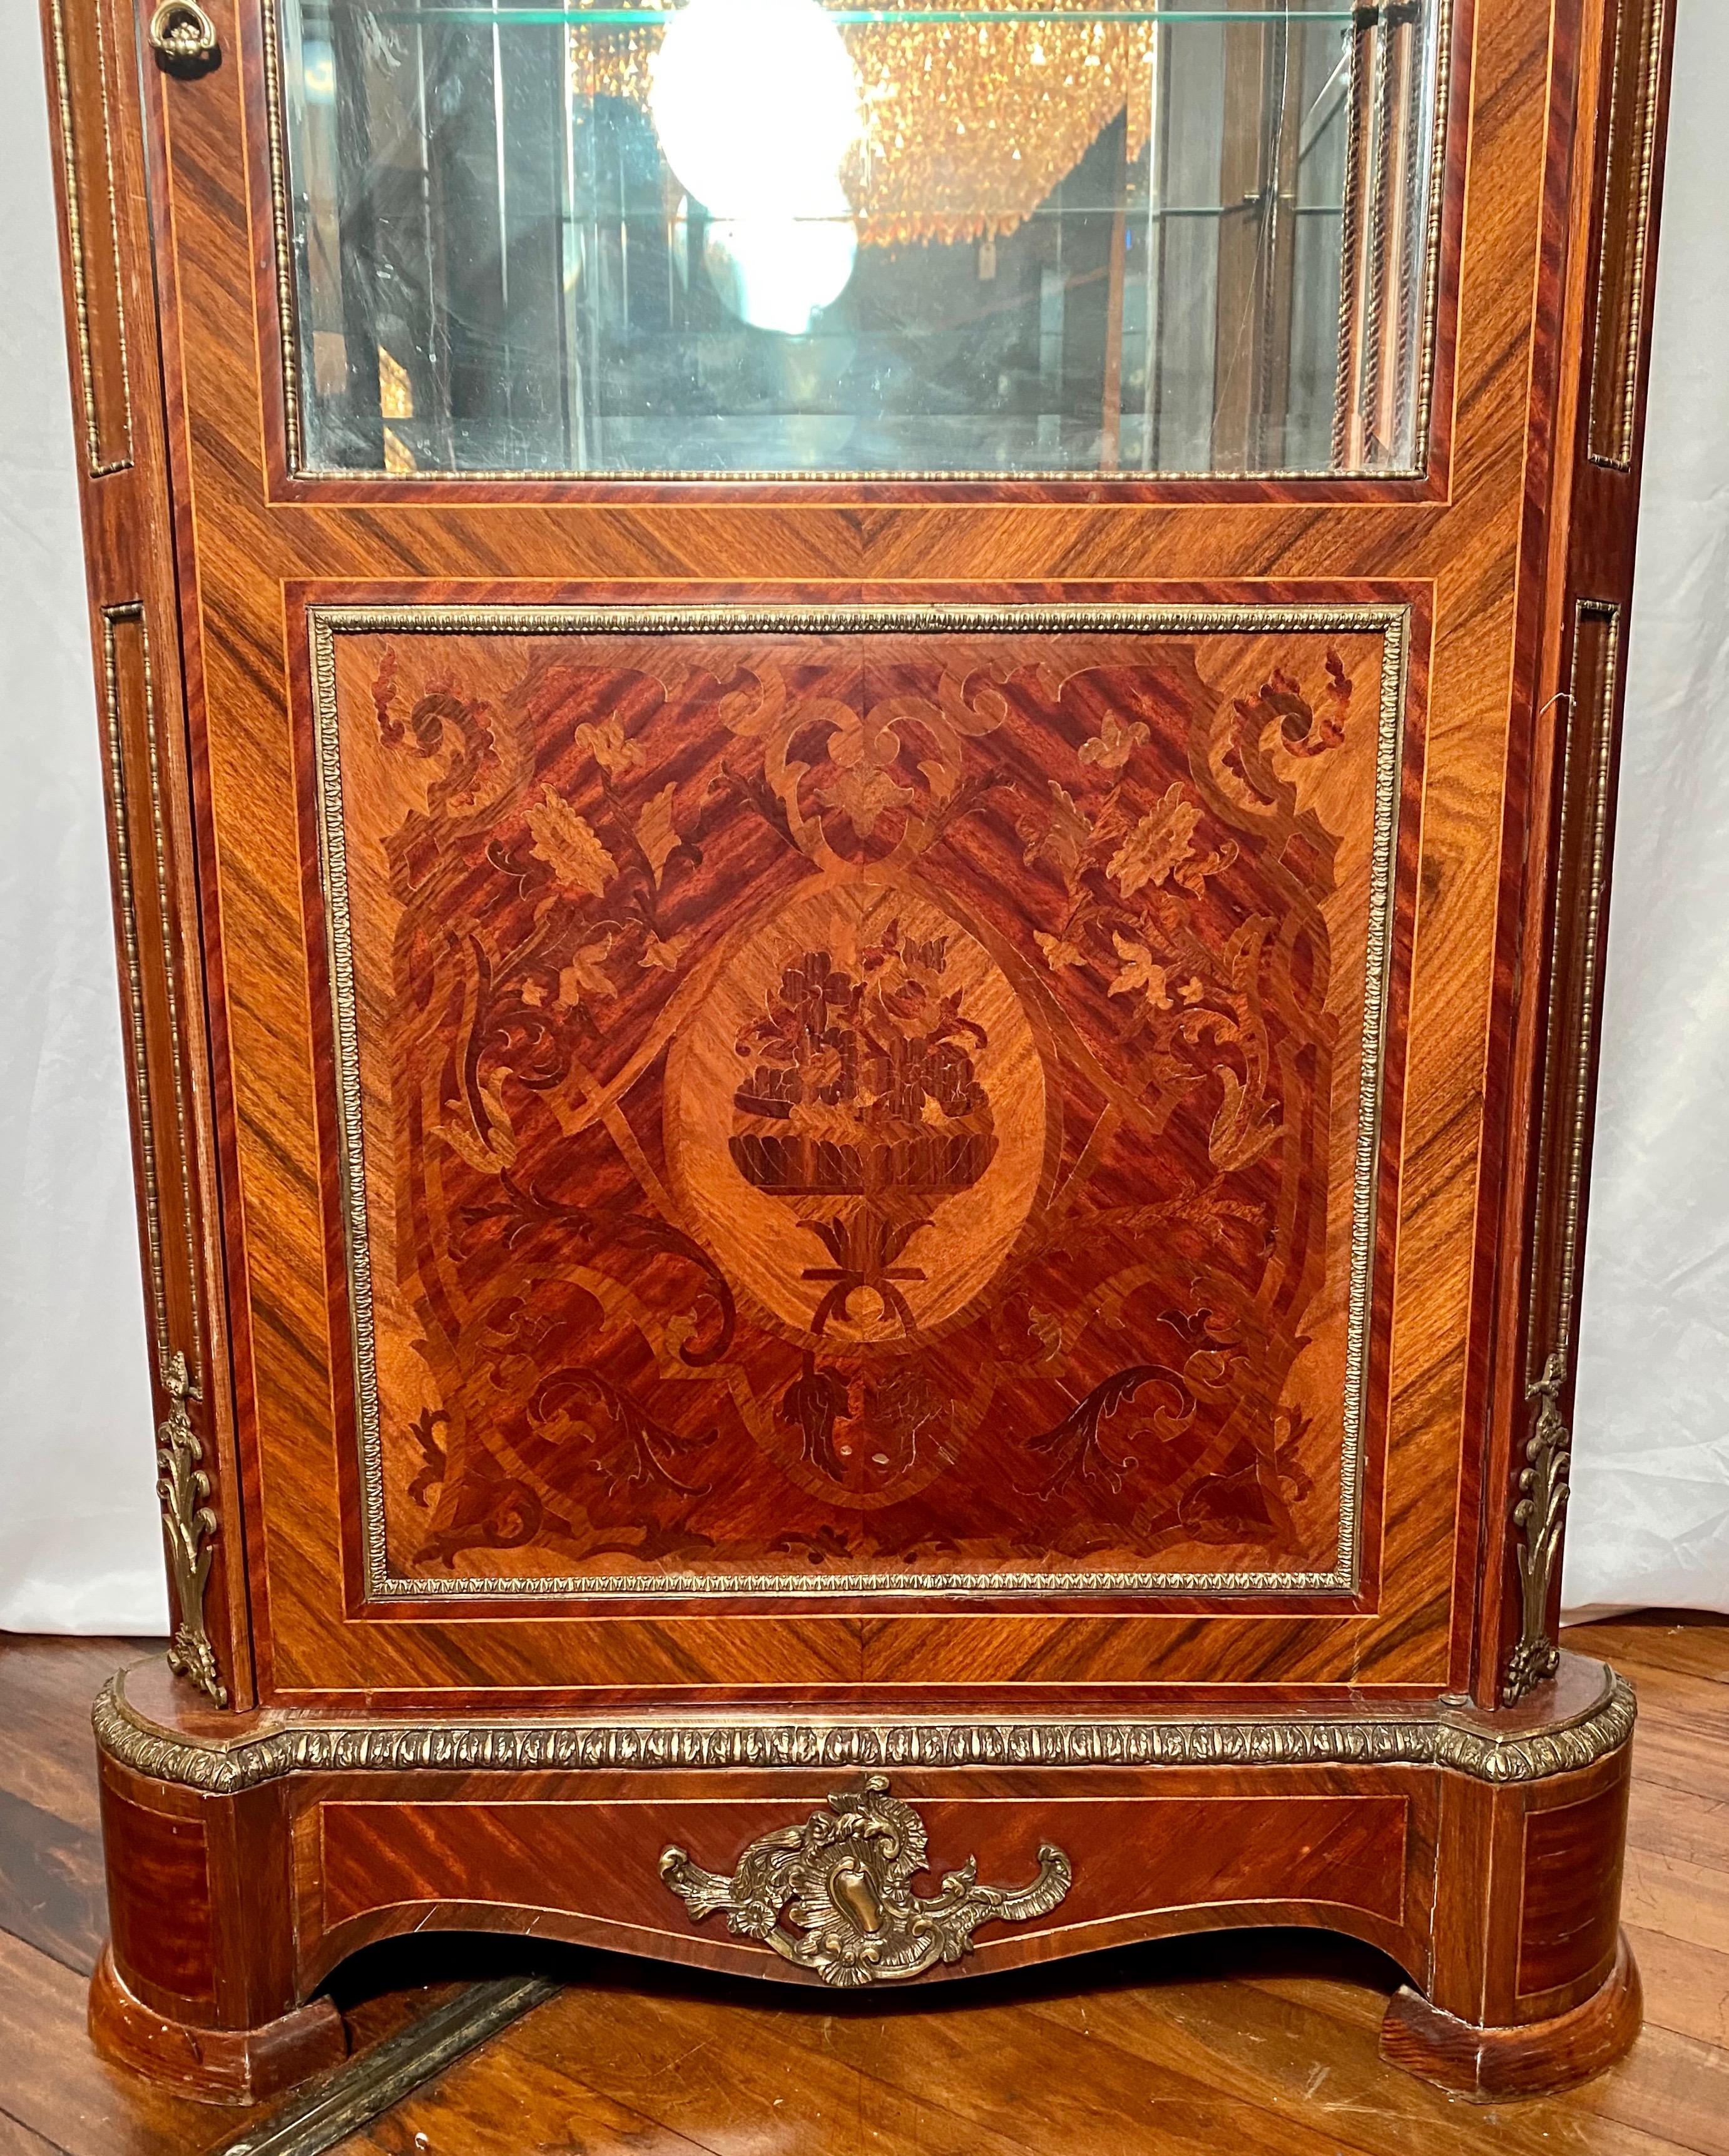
[
  {"x": 53, "y": 2084},
  {"x": 500, "y": 2103},
  {"x": 1668, "y": 2093},
  {"x": 46, "y": 1688},
  {"x": 1690, "y": 1825},
  {"x": 1683, "y": 1899},
  {"x": 1669, "y": 2085},
  {"x": 1686, "y": 1985},
  {"x": 16, "y": 2140},
  {"x": 980, "y": 2070},
  {"x": 1686, "y": 1641},
  {"x": 1309, "y": 2046},
  {"x": 1671, "y": 1752},
  {"x": 720, "y": 2070},
  {"x": 51, "y": 1889}
]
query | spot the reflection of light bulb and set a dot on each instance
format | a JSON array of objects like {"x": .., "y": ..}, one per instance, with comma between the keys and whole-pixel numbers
[
  {"x": 775, "y": 272},
  {"x": 755, "y": 103}
]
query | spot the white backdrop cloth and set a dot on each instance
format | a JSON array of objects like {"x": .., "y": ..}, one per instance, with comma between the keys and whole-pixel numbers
[
  {"x": 1650, "y": 1503},
  {"x": 79, "y": 1549}
]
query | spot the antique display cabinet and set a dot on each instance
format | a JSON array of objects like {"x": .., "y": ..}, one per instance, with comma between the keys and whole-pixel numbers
[{"x": 861, "y": 764}]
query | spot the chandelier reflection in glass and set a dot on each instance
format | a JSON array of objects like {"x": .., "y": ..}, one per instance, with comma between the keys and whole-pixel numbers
[
  {"x": 807, "y": 237},
  {"x": 964, "y": 127},
  {"x": 757, "y": 107}
]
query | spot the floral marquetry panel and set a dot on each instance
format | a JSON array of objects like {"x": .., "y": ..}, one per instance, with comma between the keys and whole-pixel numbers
[{"x": 862, "y": 1102}]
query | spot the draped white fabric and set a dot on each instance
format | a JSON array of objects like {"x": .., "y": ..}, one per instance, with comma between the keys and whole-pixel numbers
[
  {"x": 79, "y": 1547},
  {"x": 79, "y": 1543},
  {"x": 1651, "y": 1503}
]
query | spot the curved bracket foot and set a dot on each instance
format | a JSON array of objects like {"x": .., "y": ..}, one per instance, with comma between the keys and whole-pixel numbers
[
  {"x": 212, "y": 2066},
  {"x": 1534, "y": 2059}
]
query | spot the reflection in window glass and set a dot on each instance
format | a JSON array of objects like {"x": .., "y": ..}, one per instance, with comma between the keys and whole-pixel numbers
[{"x": 777, "y": 236}]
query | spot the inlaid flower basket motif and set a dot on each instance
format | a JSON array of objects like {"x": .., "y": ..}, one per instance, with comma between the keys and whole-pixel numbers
[{"x": 863, "y": 1104}]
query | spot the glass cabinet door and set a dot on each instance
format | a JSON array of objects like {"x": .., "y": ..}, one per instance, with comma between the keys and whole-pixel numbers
[{"x": 778, "y": 237}]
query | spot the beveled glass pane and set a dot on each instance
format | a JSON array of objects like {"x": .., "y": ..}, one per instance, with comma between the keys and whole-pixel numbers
[{"x": 774, "y": 236}]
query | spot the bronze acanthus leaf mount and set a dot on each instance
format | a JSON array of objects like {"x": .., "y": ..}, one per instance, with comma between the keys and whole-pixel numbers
[
  {"x": 190, "y": 1527},
  {"x": 835, "y": 1897},
  {"x": 1539, "y": 1515}
]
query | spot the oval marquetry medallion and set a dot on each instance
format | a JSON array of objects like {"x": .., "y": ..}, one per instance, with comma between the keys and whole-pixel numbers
[{"x": 856, "y": 1118}]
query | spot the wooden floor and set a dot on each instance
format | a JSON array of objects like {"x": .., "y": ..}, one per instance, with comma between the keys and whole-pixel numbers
[{"x": 1245, "y": 2046}]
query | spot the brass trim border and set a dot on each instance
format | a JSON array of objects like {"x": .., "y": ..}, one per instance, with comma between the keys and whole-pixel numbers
[
  {"x": 95, "y": 465},
  {"x": 1539, "y": 1513},
  {"x": 325, "y": 623},
  {"x": 131, "y": 612},
  {"x": 1446, "y": 1735},
  {"x": 1591, "y": 734},
  {"x": 1622, "y": 419},
  {"x": 282, "y": 234},
  {"x": 287, "y": 312}
]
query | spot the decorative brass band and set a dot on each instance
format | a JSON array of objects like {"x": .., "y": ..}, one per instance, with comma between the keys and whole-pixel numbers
[
  {"x": 835, "y": 1896},
  {"x": 1623, "y": 239},
  {"x": 117, "y": 621},
  {"x": 189, "y": 1525},
  {"x": 1442, "y": 1736},
  {"x": 324, "y": 624},
  {"x": 100, "y": 458},
  {"x": 1581, "y": 880},
  {"x": 282, "y": 233}
]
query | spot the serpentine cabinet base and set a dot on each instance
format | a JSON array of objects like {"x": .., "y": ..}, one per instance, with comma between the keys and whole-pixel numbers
[{"x": 1481, "y": 1851}]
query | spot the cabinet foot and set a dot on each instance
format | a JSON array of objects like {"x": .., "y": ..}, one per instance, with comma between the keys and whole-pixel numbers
[
  {"x": 212, "y": 2066},
  {"x": 1534, "y": 2059}
]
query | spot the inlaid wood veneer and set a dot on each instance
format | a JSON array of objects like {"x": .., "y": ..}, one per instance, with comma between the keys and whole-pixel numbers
[{"x": 862, "y": 1164}]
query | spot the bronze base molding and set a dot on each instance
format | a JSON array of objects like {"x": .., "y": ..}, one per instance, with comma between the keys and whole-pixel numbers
[
  {"x": 250, "y": 1854},
  {"x": 1503, "y": 1748}
]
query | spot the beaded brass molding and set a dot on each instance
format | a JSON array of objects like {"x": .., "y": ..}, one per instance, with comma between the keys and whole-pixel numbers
[
  {"x": 1392, "y": 621},
  {"x": 129, "y": 616},
  {"x": 1635, "y": 86},
  {"x": 97, "y": 464},
  {"x": 1443, "y": 1737},
  {"x": 1540, "y": 1508}
]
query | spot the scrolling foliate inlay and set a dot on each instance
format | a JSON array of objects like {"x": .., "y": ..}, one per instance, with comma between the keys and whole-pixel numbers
[
  {"x": 835, "y": 1896},
  {"x": 859, "y": 1101}
]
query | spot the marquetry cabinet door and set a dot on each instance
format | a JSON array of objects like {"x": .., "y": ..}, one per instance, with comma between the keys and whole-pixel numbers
[{"x": 881, "y": 916}]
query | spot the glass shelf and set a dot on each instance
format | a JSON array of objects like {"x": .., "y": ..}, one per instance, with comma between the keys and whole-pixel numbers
[{"x": 771, "y": 237}]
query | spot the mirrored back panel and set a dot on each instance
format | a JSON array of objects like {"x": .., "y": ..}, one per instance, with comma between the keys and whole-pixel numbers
[{"x": 782, "y": 238}]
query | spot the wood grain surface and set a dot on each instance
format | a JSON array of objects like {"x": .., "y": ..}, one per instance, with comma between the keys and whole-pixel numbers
[
  {"x": 1258, "y": 2043},
  {"x": 1465, "y": 545},
  {"x": 1519, "y": 527},
  {"x": 899, "y": 1105},
  {"x": 54, "y": 2093}
]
